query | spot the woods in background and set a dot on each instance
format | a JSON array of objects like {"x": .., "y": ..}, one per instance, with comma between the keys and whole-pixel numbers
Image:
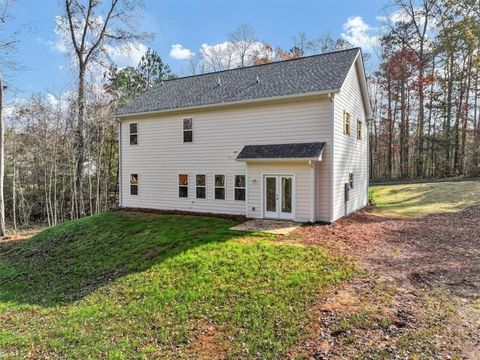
[
  {"x": 62, "y": 153},
  {"x": 425, "y": 92}
]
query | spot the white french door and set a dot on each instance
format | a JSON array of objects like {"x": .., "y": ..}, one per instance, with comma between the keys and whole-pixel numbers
[{"x": 278, "y": 196}]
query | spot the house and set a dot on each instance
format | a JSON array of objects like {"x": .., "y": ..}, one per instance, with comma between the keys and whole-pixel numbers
[{"x": 286, "y": 140}]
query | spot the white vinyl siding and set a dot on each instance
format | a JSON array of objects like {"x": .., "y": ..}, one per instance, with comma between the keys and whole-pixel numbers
[
  {"x": 303, "y": 190},
  {"x": 220, "y": 135},
  {"x": 351, "y": 154}
]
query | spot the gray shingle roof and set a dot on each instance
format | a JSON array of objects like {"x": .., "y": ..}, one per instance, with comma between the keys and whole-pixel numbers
[
  {"x": 324, "y": 72},
  {"x": 282, "y": 151}
]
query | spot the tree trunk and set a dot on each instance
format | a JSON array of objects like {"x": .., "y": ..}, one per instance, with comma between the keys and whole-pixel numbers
[
  {"x": 421, "y": 115},
  {"x": 448, "y": 117},
  {"x": 79, "y": 142},
  {"x": 390, "y": 130},
  {"x": 2, "y": 163}
]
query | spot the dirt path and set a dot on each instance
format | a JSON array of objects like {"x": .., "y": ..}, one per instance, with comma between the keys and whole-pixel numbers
[{"x": 421, "y": 294}]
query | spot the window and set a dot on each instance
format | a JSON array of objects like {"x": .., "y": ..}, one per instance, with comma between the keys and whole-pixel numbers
[
  {"x": 133, "y": 184},
  {"x": 346, "y": 123},
  {"x": 350, "y": 180},
  {"x": 200, "y": 186},
  {"x": 220, "y": 187},
  {"x": 183, "y": 185},
  {"x": 133, "y": 134},
  {"x": 240, "y": 187},
  {"x": 187, "y": 130},
  {"x": 359, "y": 130}
]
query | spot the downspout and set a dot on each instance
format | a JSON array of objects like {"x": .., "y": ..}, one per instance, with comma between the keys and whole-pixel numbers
[
  {"x": 332, "y": 157},
  {"x": 368, "y": 159},
  {"x": 120, "y": 188},
  {"x": 313, "y": 215}
]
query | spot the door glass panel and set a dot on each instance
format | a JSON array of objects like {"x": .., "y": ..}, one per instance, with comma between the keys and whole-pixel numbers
[
  {"x": 286, "y": 194},
  {"x": 271, "y": 184}
]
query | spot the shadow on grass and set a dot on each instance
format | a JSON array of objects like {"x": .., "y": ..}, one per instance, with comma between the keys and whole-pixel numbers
[{"x": 67, "y": 262}]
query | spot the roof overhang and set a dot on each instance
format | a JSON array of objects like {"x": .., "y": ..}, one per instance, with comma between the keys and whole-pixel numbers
[
  {"x": 305, "y": 96},
  {"x": 363, "y": 85},
  {"x": 282, "y": 152},
  {"x": 286, "y": 159}
]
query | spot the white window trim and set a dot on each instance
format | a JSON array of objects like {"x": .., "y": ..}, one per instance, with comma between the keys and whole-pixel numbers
[
  {"x": 345, "y": 113},
  {"x": 130, "y": 133},
  {"x": 192, "y": 130},
  {"x": 130, "y": 184},
  {"x": 224, "y": 186},
  {"x": 235, "y": 188},
  {"x": 294, "y": 193},
  {"x": 178, "y": 185},
  {"x": 205, "y": 186},
  {"x": 353, "y": 180}
]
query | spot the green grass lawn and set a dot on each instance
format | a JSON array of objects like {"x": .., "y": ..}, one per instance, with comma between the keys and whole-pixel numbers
[
  {"x": 131, "y": 285},
  {"x": 408, "y": 200}
]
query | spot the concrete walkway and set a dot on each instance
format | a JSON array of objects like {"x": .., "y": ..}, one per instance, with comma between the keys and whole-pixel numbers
[{"x": 278, "y": 227}]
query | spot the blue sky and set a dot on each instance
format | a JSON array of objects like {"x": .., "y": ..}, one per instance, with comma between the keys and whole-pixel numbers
[{"x": 188, "y": 23}]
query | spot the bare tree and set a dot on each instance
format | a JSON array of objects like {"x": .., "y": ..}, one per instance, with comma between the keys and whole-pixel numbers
[
  {"x": 92, "y": 25},
  {"x": 243, "y": 42},
  {"x": 6, "y": 45}
]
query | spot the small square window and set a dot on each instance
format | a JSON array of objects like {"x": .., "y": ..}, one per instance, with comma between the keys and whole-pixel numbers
[
  {"x": 201, "y": 186},
  {"x": 133, "y": 184},
  {"x": 220, "y": 187},
  {"x": 187, "y": 130},
  {"x": 183, "y": 185},
  {"x": 239, "y": 187},
  {"x": 133, "y": 134}
]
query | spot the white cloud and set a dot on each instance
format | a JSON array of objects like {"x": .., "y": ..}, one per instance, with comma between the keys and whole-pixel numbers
[
  {"x": 128, "y": 54},
  {"x": 359, "y": 33},
  {"x": 397, "y": 16},
  {"x": 224, "y": 56},
  {"x": 180, "y": 53}
]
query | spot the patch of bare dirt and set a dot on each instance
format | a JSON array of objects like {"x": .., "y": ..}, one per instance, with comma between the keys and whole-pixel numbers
[
  {"x": 441, "y": 249},
  {"x": 423, "y": 274},
  {"x": 206, "y": 342}
]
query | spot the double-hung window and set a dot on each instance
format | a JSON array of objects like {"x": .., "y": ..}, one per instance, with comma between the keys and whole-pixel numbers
[
  {"x": 133, "y": 134},
  {"x": 350, "y": 180},
  {"x": 220, "y": 187},
  {"x": 346, "y": 123},
  {"x": 133, "y": 184},
  {"x": 239, "y": 183},
  {"x": 187, "y": 130},
  {"x": 183, "y": 185},
  {"x": 359, "y": 130},
  {"x": 200, "y": 186}
]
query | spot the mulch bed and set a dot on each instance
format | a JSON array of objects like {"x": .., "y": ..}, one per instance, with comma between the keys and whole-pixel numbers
[
  {"x": 417, "y": 259},
  {"x": 440, "y": 249}
]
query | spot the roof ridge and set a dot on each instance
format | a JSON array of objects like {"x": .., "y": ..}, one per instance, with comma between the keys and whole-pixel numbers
[{"x": 259, "y": 65}]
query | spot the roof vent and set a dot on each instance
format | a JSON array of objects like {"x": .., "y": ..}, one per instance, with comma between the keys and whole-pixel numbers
[
  {"x": 219, "y": 82},
  {"x": 258, "y": 80},
  {"x": 162, "y": 83}
]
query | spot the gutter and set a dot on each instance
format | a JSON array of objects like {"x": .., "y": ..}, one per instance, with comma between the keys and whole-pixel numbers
[
  {"x": 279, "y": 159},
  {"x": 119, "y": 162}
]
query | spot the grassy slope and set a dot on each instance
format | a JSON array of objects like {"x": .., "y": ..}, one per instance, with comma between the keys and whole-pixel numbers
[
  {"x": 124, "y": 285},
  {"x": 421, "y": 199}
]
